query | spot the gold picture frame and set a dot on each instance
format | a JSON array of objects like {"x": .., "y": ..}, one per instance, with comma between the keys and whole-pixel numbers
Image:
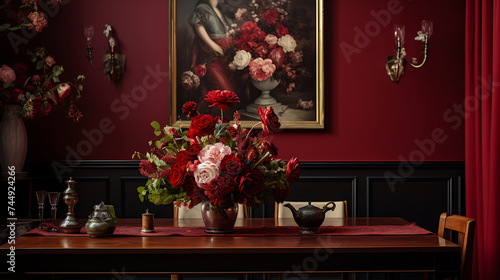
[{"x": 296, "y": 112}]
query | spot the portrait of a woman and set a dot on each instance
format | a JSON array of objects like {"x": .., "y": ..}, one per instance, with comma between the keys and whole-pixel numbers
[{"x": 211, "y": 42}]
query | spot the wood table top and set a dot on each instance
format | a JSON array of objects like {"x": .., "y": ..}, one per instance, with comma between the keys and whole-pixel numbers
[{"x": 222, "y": 244}]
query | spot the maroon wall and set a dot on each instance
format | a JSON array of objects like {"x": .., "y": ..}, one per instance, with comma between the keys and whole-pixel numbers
[{"x": 367, "y": 117}]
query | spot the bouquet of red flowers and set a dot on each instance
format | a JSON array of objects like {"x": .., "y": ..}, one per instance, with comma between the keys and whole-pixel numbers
[
  {"x": 266, "y": 42},
  {"x": 39, "y": 92},
  {"x": 216, "y": 161}
]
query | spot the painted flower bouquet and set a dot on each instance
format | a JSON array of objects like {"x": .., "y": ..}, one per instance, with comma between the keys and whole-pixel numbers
[
  {"x": 41, "y": 91},
  {"x": 216, "y": 161},
  {"x": 266, "y": 42}
]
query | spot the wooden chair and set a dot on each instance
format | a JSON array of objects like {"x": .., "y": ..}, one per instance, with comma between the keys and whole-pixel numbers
[
  {"x": 465, "y": 227},
  {"x": 182, "y": 213},
  {"x": 340, "y": 211}
]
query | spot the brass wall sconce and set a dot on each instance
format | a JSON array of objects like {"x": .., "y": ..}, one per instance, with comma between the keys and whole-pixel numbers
[
  {"x": 113, "y": 62},
  {"x": 395, "y": 65}
]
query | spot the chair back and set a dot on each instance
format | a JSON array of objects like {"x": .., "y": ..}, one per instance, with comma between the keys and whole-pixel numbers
[
  {"x": 340, "y": 210},
  {"x": 465, "y": 227}
]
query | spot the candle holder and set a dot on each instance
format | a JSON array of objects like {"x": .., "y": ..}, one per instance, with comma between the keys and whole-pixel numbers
[{"x": 70, "y": 224}]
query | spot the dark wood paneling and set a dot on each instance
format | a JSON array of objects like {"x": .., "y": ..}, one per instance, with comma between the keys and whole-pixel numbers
[{"x": 416, "y": 191}]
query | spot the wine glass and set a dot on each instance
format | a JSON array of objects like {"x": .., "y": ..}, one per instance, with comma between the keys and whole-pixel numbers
[
  {"x": 40, "y": 197},
  {"x": 53, "y": 199}
]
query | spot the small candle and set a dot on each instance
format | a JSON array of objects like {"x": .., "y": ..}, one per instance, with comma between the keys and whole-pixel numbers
[{"x": 148, "y": 222}]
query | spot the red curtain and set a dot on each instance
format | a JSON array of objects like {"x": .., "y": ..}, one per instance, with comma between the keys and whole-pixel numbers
[{"x": 482, "y": 132}]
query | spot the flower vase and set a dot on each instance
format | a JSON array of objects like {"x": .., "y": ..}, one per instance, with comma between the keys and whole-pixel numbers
[
  {"x": 218, "y": 220},
  {"x": 265, "y": 99},
  {"x": 13, "y": 140}
]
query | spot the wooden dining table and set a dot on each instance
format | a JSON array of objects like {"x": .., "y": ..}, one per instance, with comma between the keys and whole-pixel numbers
[{"x": 288, "y": 254}]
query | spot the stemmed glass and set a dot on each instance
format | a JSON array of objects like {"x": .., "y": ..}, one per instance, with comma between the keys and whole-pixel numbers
[
  {"x": 53, "y": 199},
  {"x": 40, "y": 197}
]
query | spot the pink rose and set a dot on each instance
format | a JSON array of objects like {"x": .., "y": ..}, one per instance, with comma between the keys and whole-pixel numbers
[
  {"x": 7, "y": 75},
  {"x": 271, "y": 39},
  {"x": 214, "y": 153},
  {"x": 63, "y": 90},
  {"x": 239, "y": 13},
  {"x": 261, "y": 69},
  {"x": 205, "y": 173},
  {"x": 49, "y": 60}
]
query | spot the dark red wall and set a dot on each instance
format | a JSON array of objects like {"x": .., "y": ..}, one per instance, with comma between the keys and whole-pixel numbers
[{"x": 367, "y": 117}]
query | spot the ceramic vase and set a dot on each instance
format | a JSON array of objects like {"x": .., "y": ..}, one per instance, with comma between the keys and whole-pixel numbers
[
  {"x": 13, "y": 140},
  {"x": 265, "y": 99},
  {"x": 218, "y": 220}
]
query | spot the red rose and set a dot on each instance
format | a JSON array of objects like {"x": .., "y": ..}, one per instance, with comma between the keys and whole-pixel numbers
[
  {"x": 270, "y": 122},
  {"x": 183, "y": 158},
  {"x": 252, "y": 154},
  {"x": 231, "y": 164},
  {"x": 222, "y": 99},
  {"x": 248, "y": 27},
  {"x": 271, "y": 16},
  {"x": 261, "y": 51},
  {"x": 189, "y": 109},
  {"x": 281, "y": 30},
  {"x": 193, "y": 150},
  {"x": 293, "y": 170},
  {"x": 200, "y": 70},
  {"x": 280, "y": 193},
  {"x": 177, "y": 175},
  {"x": 196, "y": 194},
  {"x": 270, "y": 147},
  {"x": 277, "y": 56},
  {"x": 251, "y": 183},
  {"x": 215, "y": 193},
  {"x": 201, "y": 125}
]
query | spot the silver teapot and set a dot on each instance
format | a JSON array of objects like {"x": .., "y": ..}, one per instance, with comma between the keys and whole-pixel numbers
[{"x": 100, "y": 222}]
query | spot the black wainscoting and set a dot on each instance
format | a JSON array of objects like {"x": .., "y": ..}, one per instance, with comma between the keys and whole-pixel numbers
[{"x": 418, "y": 192}]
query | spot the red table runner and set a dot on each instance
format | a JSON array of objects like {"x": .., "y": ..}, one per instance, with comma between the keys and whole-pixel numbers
[{"x": 410, "y": 229}]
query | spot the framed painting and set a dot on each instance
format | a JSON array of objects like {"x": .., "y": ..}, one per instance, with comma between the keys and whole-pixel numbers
[{"x": 268, "y": 52}]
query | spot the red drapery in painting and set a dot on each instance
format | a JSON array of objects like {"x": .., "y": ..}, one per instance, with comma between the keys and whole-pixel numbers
[{"x": 482, "y": 130}]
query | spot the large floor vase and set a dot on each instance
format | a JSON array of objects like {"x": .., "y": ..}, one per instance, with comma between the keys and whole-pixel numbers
[
  {"x": 218, "y": 220},
  {"x": 13, "y": 140}
]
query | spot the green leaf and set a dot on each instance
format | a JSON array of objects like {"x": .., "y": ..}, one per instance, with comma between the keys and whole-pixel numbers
[
  {"x": 4, "y": 27},
  {"x": 141, "y": 197},
  {"x": 39, "y": 64},
  {"x": 155, "y": 125},
  {"x": 57, "y": 70},
  {"x": 221, "y": 129},
  {"x": 140, "y": 189}
]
